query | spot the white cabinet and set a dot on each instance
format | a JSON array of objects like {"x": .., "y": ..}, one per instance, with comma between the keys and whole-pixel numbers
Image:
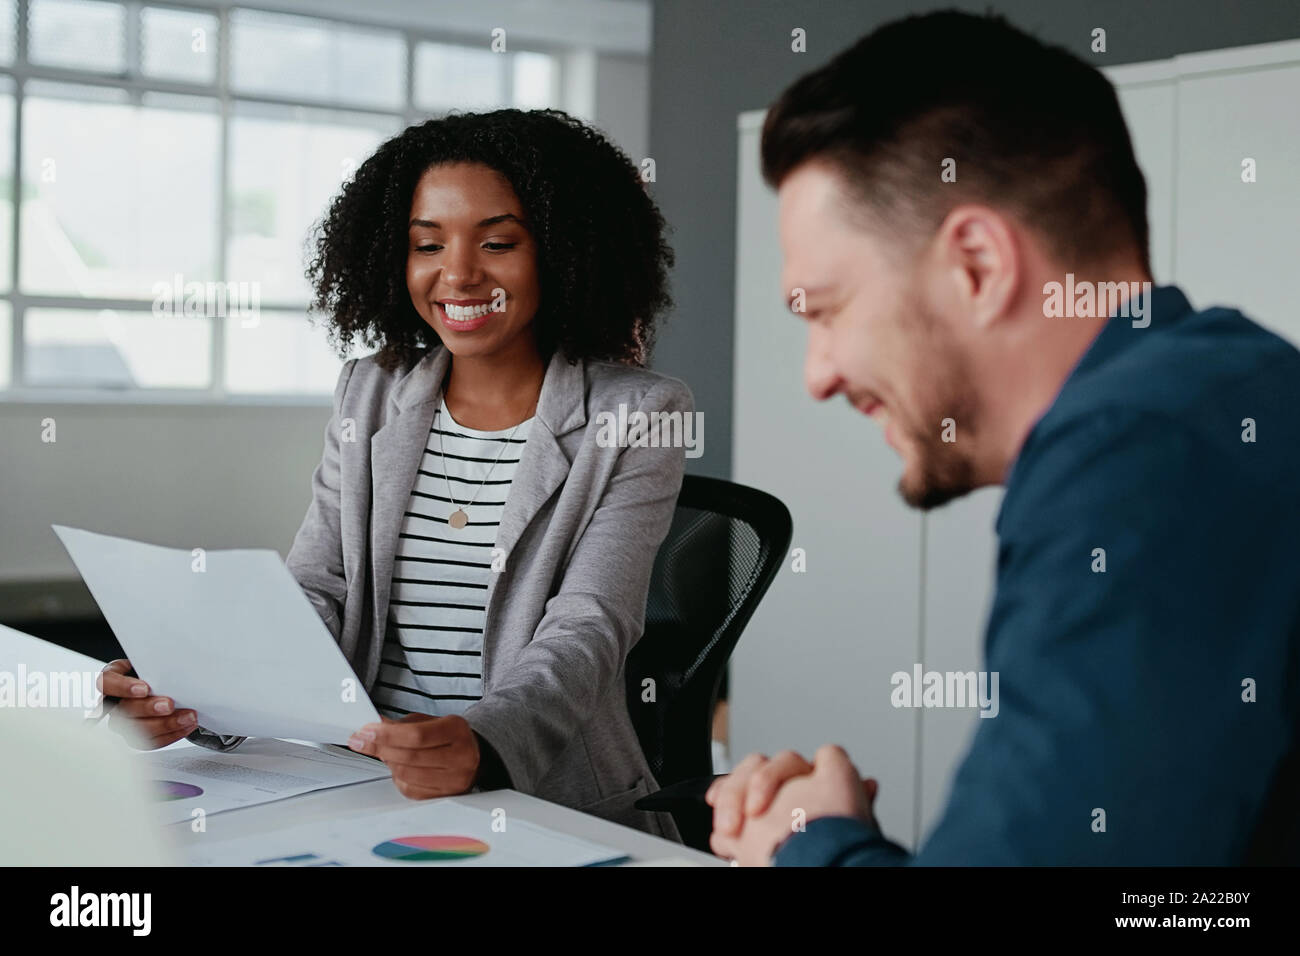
[{"x": 1238, "y": 243}]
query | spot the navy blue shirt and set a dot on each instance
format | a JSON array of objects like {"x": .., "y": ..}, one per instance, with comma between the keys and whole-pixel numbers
[{"x": 1158, "y": 698}]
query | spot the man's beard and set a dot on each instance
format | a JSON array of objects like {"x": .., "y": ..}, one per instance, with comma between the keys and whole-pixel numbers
[{"x": 943, "y": 472}]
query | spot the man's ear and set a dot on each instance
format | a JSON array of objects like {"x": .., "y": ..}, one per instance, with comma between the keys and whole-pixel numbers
[{"x": 977, "y": 249}]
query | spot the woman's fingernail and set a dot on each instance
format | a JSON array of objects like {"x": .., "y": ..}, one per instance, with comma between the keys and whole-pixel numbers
[
  {"x": 355, "y": 742},
  {"x": 162, "y": 707},
  {"x": 190, "y": 718},
  {"x": 139, "y": 690}
]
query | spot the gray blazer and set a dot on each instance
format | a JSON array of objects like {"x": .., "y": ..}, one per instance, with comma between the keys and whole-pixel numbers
[{"x": 580, "y": 530}]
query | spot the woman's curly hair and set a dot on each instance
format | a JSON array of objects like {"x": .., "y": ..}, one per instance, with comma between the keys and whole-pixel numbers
[{"x": 603, "y": 259}]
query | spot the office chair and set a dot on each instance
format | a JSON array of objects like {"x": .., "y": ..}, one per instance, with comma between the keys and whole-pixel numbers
[{"x": 721, "y": 553}]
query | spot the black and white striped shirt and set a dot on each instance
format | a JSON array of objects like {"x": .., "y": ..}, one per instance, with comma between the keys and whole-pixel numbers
[{"x": 433, "y": 647}]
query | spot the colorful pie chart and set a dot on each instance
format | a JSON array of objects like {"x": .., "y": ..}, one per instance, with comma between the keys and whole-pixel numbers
[
  {"x": 174, "y": 790},
  {"x": 422, "y": 849}
]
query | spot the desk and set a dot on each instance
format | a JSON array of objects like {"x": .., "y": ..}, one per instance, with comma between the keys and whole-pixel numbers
[{"x": 376, "y": 795}]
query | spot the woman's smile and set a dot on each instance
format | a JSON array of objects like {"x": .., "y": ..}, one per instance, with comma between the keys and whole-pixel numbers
[{"x": 464, "y": 315}]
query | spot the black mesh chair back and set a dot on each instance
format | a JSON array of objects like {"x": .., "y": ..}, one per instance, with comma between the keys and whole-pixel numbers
[{"x": 721, "y": 553}]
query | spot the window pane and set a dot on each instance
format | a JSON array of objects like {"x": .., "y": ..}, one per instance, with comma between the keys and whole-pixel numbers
[
  {"x": 79, "y": 34},
  {"x": 178, "y": 44},
  {"x": 8, "y": 30},
  {"x": 536, "y": 81},
  {"x": 285, "y": 166},
  {"x": 312, "y": 59},
  {"x": 281, "y": 353},
  {"x": 6, "y": 183},
  {"x": 6, "y": 337},
  {"x": 118, "y": 197},
  {"x": 458, "y": 77},
  {"x": 116, "y": 349}
]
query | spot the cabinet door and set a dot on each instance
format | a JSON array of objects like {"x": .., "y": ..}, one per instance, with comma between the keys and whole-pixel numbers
[{"x": 1238, "y": 243}]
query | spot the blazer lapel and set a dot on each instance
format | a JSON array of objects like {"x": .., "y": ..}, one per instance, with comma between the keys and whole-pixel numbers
[
  {"x": 543, "y": 466},
  {"x": 396, "y": 451}
]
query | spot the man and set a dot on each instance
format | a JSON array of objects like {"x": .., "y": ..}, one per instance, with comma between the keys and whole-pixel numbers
[{"x": 964, "y": 231}]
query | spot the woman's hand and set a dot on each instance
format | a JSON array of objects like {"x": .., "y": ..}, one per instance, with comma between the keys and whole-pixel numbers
[
  {"x": 147, "y": 721},
  {"x": 429, "y": 756}
]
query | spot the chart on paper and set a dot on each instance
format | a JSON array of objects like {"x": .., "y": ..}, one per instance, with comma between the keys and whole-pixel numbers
[
  {"x": 185, "y": 778},
  {"x": 437, "y": 833}
]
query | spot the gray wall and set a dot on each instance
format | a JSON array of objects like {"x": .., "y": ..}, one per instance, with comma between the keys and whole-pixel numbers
[{"x": 713, "y": 60}]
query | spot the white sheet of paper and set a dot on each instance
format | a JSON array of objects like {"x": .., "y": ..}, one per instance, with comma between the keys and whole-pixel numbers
[
  {"x": 393, "y": 838},
  {"x": 184, "y": 777},
  {"x": 36, "y": 673},
  {"x": 238, "y": 641}
]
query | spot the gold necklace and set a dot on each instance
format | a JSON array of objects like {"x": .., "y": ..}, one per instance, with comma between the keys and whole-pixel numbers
[{"x": 459, "y": 518}]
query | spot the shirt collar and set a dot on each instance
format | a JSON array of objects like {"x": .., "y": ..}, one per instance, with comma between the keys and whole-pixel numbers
[
  {"x": 1159, "y": 307},
  {"x": 561, "y": 404}
]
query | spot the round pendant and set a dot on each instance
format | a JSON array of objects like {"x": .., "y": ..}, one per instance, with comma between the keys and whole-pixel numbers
[{"x": 458, "y": 519}]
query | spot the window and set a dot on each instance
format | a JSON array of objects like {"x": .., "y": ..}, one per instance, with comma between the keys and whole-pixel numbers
[
  {"x": 77, "y": 34},
  {"x": 8, "y": 30},
  {"x": 536, "y": 80},
  {"x": 163, "y": 198},
  {"x": 277, "y": 352},
  {"x": 7, "y": 185},
  {"x": 112, "y": 348},
  {"x": 272, "y": 204},
  {"x": 179, "y": 44},
  {"x": 161, "y": 157},
  {"x": 312, "y": 59},
  {"x": 448, "y": 76}
]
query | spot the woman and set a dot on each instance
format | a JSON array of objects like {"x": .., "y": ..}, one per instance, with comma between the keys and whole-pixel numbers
[{"x": 480, "y": 551}]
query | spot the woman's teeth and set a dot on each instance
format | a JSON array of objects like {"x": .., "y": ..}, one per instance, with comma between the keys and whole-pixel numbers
[{"x": 464, "y": 313}]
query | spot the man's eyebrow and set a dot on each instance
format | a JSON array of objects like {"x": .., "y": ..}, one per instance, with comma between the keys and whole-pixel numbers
[{"x": 489, "y": 221}]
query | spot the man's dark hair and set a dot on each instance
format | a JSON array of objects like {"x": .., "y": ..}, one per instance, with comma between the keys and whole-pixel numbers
[
  {"x": 1033, "y": 129},
  {"x": 602, "y": 256}
]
